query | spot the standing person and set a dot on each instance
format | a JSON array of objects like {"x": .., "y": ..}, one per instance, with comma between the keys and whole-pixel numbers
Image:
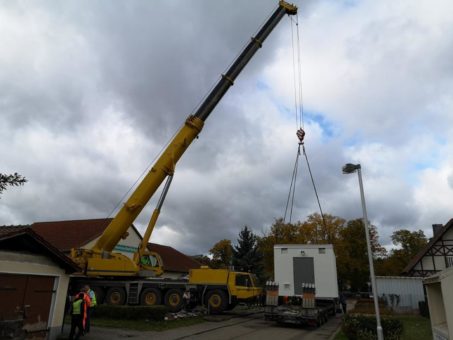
[
  {"x": 186, "y": 299},
  {"x": 77, "y": 316},
  {"x": 343, "y": 302},
  {"x": 91, "y": 296}
]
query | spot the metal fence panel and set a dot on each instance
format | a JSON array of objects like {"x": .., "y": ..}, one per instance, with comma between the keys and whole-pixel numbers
[{"x": 401, "y": 293}]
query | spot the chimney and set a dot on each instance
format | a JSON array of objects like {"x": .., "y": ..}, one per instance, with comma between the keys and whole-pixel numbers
[{"x": 436, "y": 228}]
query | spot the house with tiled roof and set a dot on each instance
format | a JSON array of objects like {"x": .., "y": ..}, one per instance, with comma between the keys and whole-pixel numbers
[
  {"x": 66, "y": 235},
  {"x": 436, "y": 256},
  {"x": 174, "y": 261}
]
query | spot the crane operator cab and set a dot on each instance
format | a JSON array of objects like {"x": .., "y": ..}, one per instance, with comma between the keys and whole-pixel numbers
[{"x": 150, "y": 263}]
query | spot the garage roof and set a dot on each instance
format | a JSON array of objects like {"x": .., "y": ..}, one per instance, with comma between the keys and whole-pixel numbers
[{"x": 23, "y": 238}]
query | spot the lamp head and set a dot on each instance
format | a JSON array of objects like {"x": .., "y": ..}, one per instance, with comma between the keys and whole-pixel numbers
[{"x": 350, "y": 168}]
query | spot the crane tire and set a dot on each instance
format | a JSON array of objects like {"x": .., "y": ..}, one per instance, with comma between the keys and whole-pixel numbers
[
  {"x": 173, "y": 300},
  {"x": 216, "y": 301},
  {"x": 151, "y": 297},
  {"x": 115, "y": 296}
]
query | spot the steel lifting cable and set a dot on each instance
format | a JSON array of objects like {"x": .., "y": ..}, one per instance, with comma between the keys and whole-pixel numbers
[
  {"x": 297, "y": 70},
  {"x": 314, "y": 186},
  {"x": 298, "y": 100},
  {"x": 292, "y": 187}
]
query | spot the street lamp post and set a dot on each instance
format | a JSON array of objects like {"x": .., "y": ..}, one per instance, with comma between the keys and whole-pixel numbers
[{"x": 349, "y": 169}]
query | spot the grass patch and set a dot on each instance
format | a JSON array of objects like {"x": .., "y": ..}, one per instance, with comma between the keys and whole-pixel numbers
[
  {"x": 142, "y": 325},
  {"x": 340, "y": 336},
  {"x": 414, "y": 328}
]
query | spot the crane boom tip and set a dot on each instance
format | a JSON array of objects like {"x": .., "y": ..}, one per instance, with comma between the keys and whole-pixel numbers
[{"x": 291, "y": 9}]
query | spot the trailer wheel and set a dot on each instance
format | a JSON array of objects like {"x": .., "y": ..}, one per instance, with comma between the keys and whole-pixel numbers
[
  {"x": 216, "y": 301},
  {"x": 333, "y": 310},
  {"x": 115, "y": 296},
  {"x": 173, "y": 300},
  {"x": 319, "y": 321},
  {"x": 151, "y": 297}
]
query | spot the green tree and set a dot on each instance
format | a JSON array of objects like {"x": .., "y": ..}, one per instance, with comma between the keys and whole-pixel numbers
[
  {"x": 409, "y": 243},
  {"x": 319, "y": 231},
  {"x": 11, "y": 180},
  {"x": 352, "y": 255},
  {"x": 222, "y": 254},
  {"x": 246, "y": 254},
  {"x": 279, "y": 233}
]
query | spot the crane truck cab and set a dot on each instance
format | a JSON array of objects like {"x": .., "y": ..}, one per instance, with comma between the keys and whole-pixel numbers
[{"x": 222, "y": 289}]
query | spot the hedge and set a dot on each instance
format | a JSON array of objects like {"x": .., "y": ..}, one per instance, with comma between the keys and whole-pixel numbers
[
  {"x": 360, "y": 327},
  {"x": 156, "y": 313}
]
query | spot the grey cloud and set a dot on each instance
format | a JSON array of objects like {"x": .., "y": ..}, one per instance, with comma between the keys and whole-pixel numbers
[{"x": 152, "y": 63}]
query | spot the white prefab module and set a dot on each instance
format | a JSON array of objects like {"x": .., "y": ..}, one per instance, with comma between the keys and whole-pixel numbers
[{"x": 296, "y": 265}]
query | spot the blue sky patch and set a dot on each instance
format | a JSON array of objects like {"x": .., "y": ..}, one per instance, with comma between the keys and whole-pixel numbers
[
  {"x": 262, "y": 86},
  {"x": 327, "y": 127}
]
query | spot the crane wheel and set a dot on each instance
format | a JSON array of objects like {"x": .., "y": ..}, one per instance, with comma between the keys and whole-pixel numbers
[
  {"x": 151, "y": 297},
  {"x": 115, "y": 296},
  {"x": 216, "y": 301},
  {"x": 173, "y": 300}
]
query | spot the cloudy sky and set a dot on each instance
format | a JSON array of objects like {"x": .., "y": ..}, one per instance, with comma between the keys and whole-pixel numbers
[{"x": 90, "y": 92}]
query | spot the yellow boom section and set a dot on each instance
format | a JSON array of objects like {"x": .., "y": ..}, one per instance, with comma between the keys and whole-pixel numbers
[
  {"x": 99, "y": 260},
  {"x": 163, "y": 167}
]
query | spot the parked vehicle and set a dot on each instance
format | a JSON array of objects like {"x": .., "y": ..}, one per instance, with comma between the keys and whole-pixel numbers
[
  {"x": 217, "y": 289},
  {"x": 118, "y": 279}
]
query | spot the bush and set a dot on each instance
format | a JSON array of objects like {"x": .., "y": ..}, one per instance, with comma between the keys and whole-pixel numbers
[
  {"x": 156, "y": 313},
  {"x": 360, "y": 327}
]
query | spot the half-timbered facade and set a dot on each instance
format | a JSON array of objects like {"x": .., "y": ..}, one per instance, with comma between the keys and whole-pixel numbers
[{"x": 436, "y": 256}]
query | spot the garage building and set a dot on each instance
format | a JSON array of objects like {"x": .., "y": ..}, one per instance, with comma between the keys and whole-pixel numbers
[{"x": 34, "y": 278}]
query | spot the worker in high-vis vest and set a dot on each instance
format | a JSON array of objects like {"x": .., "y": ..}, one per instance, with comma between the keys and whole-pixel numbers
[
  {"x": 78, "y": 315},
  {"x": 90, "y": 306}
]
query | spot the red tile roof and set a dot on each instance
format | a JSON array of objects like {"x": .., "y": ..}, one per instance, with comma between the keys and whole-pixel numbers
[
  {"x": 71, "y": 234},
  {"x": 65, "y": 235},
  {"x": 174, "y": 261}
]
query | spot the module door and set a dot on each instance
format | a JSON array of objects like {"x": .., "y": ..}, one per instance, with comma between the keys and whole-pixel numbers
[{"x": 304, "y": 272}]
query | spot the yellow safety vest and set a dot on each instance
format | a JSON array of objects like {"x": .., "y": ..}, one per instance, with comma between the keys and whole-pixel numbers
[
  {"x": 76, "y": 307},
  {"x": 92, "y": 296}
]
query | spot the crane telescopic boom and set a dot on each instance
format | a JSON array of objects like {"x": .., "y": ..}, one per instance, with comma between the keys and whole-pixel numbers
[{"x": 165, "y": 165}]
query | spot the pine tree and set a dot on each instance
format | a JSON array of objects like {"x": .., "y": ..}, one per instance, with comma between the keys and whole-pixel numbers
[
  {"x": 246, "y": 254},
  {"x": 11, "y": 180}
]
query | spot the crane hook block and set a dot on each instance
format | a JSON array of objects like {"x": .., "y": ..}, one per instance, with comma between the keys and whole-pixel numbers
[{"x": 300, "y": 134}]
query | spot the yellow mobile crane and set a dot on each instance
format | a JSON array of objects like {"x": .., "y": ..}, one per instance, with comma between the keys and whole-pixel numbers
[{"x": 100, "y": 261}]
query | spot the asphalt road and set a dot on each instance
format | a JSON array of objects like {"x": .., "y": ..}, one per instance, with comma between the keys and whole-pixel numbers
[{"x": 247, "y": 328}]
